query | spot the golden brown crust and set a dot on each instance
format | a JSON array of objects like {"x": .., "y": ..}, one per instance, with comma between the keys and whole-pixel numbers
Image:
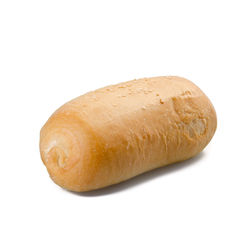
[{"x": 117, "y": 132}]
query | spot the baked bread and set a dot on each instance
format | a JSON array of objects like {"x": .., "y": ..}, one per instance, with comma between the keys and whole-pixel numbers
[{"x": 120, "y": 131}]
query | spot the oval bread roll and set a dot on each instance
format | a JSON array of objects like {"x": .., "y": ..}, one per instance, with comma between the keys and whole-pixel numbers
[{"x": 120, "y": 131}]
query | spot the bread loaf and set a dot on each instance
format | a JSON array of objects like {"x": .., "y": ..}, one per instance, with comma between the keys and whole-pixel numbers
[{"x": 115, "y": 133}]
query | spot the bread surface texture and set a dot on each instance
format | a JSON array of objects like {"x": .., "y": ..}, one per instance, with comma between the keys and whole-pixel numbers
[{"x": 120, "y": 131}]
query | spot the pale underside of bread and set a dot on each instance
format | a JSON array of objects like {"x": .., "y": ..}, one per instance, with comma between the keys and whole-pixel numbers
[{"x": 117, "y": 132}]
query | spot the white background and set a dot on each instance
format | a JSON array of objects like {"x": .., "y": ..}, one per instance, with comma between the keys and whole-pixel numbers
[{"x": 52, "y": 51}]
